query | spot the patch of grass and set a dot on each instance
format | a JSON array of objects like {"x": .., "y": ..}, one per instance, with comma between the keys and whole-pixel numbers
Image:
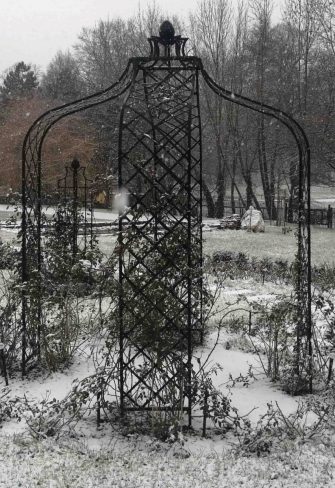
[{"x": 273, "y": 244}]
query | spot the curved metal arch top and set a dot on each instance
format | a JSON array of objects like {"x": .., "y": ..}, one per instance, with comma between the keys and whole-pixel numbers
[{"x": 34, "y": 139}]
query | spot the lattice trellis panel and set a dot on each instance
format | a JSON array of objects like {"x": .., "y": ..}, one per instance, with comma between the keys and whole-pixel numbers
[{"x": 160, "y": 236}]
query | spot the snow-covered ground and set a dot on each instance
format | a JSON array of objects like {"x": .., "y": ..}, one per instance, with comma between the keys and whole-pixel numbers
[
  {"x": 102, "y": 457},
  {"x": 233, "y": 362},
  {"x": 143, "y": 463}
]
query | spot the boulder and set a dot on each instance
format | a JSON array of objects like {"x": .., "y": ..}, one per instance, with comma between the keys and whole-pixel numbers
[
  {"x": 231, "y": 222},
  {"x": 252, "y": 220}
]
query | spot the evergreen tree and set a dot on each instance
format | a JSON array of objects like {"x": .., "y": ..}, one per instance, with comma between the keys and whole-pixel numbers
[{"x": 20, "y": 81}]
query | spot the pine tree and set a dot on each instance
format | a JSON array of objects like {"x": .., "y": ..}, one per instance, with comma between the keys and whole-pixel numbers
[{"x": 20, "y": 81}]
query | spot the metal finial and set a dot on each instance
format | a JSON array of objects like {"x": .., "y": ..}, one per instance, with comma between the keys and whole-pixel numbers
[
  {"x": 75, "y": 164},
  {"x": 167, "y": 39},
  {"x": 167, "y": 33}
]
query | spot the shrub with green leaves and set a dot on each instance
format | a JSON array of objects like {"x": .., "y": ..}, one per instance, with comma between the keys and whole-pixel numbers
[{"x": 155, "y": 290}]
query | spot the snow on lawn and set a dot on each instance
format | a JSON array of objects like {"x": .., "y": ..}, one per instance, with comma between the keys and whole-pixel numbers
[
  {"x": 53, "y": 385},
  {"x": 148, "y": 464},
  {"x": 103, "y": 458},
  {"x": 233, "y": 362},
  {"x": 272, "y": 244},
  {"x": 258, "y": 394}
]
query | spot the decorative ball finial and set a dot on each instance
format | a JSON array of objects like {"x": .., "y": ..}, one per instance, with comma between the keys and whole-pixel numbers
[
  {"x": 75, "y": 165},
  {"x": 167, "y": 33},
  {"x": 167, "y": 44}
]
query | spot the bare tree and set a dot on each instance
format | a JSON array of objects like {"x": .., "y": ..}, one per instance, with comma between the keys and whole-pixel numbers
[
  {"x": 62, "y": 79},
  {"x": 211, "y": 36}
]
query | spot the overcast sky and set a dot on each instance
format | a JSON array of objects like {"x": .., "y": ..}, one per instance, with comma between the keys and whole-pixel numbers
[{"x": 34, "y": 30}]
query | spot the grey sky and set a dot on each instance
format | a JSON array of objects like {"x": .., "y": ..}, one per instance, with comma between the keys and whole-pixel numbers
[{"x": 34, "y": 30}]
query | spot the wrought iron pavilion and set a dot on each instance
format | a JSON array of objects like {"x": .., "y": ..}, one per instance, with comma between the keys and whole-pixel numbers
[{"x": 160, "y": 168}]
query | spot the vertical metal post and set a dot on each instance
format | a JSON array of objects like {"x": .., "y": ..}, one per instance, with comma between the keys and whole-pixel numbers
[
  {"x": 154, "y": 171},
  {"x": 39, "y": 257},
  {"x": 75, "y": 165},
  {"x": 24, "y": 270},
  {"x": 190, "y": 251},
  {"x": 91, "y": 220},
  {"x": 85, "y": 215},
  {"x": 120, "y": 317},
  {"x": 120, "y": 287},
  {"x": 307, "y": 258},
  {"x": 201, "y": 280}
]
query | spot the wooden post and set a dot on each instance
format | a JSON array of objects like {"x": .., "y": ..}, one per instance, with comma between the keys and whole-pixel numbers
[
  {"x": 205, "y": 413},
  {"x": 3, "y": 360},
  {"x": 330, "y": 217},
  {"x": 330, "y": 370},
  {"x": 98, "y": 410}
]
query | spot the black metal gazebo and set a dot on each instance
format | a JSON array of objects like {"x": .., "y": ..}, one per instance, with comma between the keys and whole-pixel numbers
[{"x": 160, "y": 231}]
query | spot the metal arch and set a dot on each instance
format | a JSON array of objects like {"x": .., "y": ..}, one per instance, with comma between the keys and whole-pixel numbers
[
  {"x": 303, "y": 285},
  {"x": 32, "y": 204}
]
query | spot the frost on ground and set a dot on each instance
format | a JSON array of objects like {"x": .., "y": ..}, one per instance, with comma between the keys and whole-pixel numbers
[{"x": 141, "y": 464}]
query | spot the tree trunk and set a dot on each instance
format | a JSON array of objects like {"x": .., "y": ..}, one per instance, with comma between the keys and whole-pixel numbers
[
  {"x": 293, "y": 202},
  {"x": 219, "y": 206},
  {"x": 263, "y": 165},
  {"x": 251, "y": 197},
  {"x": 232, "y": 188},
  {"x": 209, "y": 200}
]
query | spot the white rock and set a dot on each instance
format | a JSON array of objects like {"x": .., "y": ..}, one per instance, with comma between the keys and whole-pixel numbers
[{"x": 253, "y": 220}]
